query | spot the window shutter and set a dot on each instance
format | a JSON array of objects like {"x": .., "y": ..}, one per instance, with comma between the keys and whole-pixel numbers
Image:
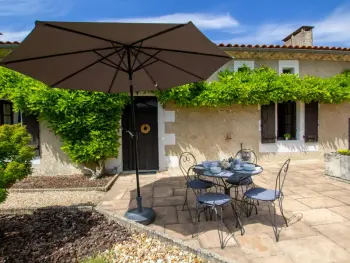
[
  {"x": 268, "y": 123},
  {"x": 32, "y": 124},
  {"x": 311, "y": 122}
]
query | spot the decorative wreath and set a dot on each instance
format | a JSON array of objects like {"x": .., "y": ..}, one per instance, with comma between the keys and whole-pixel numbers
[{"x": 145, "y": 128}]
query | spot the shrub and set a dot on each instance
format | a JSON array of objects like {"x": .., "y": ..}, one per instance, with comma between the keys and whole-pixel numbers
[
  {"x": 344, "y": 151},
  {"x": 15, "y": 156}
]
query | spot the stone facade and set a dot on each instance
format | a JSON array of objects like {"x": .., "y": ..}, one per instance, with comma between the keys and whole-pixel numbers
[
  {"x": 53, "y": 161},
  {"x": 212, "y": 134}
]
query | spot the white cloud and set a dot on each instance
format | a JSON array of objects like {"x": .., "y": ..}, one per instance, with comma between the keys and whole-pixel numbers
[
  {"x": 34, "y": 7},
  {"x": 203, "y": 21},
  {"x": 13, "y": 35},
  {"x": 332, "y": 30}
]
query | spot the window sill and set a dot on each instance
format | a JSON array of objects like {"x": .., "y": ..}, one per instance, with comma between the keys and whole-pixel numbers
[
  {"x": 36, "y": 160},
  {"x": 289, "y": 146}
]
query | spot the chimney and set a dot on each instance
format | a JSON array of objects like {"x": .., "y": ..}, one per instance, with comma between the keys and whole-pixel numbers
[{"x": 300, "y": 37}]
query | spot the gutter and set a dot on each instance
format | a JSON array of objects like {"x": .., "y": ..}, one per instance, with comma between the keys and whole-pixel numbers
[{"x": 284, "y": 50}]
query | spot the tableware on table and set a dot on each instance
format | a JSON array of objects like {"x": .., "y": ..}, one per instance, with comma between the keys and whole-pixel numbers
[
  {"x": 214, "y": 164},
  {"x": 206, "y": 164},
  {"x": 249, "y": 167},
  {"x": 215, "y": 169},
  {"x": 225, "y": 165},
  {"x": 238, "y": 168}
]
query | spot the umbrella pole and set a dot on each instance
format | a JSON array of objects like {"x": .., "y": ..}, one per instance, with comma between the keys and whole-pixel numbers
[
  {"x": 135, "y": 145},
  {"x": 142, "y": 215}
]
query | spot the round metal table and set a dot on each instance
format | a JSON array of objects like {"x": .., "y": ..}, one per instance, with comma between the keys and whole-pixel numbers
[{"x": 228, "y": 177}]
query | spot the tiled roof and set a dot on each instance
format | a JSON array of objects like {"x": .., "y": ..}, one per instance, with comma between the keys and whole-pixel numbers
[
  {"x": 9, "y": 43},
  {"x": 286, "y": 47}
]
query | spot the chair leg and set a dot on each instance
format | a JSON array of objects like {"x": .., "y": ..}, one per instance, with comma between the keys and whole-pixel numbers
[
  {"x": 219, "y": 225},
  {"x": 280, "y": 200},
  {"x": 238, "y": 220},
  {"x": 183, "y": 207},
  {"x": 196, "y": 222},
  {"x": 273, "y": 220}
]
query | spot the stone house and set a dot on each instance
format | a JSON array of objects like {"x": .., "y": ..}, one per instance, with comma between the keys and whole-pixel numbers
[{"x": 168, "y": 130}]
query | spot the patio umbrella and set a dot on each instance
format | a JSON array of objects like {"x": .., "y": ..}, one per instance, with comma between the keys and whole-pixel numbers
[{"x": 117, "y": 57}]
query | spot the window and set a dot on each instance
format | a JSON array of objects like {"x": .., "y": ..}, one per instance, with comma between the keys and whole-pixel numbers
[
  {"x": 288, "y": 67},
  {"x": 288, "y": 70},
  {"x": 286, "y": 120},
  {"x": 238, "y": 64},
  {"x": 6, "y": 113}
]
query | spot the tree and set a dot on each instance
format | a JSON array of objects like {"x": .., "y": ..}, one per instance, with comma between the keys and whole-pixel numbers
[{"x": 15, "y": 156}]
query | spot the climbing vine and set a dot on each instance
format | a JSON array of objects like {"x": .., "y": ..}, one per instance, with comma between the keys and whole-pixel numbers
[
  {"x": 259, "y": 86},
  {"x": 87, "y": 123}
]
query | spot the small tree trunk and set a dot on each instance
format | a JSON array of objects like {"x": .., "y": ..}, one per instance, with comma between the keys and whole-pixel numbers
[
  {"x": 100, "y": 167},
  {"x": 98, "y": 171}
]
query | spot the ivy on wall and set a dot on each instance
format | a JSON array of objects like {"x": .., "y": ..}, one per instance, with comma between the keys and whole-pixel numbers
[
  {"x": 87, "y": 123},
  {"x": 259, "y": 86}
]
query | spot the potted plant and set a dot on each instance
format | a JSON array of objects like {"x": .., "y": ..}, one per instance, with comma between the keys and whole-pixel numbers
[{"x": 286, "y": 136}]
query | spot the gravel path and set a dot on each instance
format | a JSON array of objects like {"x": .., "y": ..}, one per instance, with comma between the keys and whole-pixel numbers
[
  {"x": 48, "y": 198},
  {"x": 140, "y": 248}
]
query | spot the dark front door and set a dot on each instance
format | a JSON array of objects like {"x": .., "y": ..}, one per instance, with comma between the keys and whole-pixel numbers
[{"x": 147, "y": 128}]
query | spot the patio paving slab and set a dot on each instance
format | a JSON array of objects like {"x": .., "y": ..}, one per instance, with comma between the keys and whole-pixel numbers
[
  {"x": 273, "y": 259},
  {"x": 314, "y": 249},
  {"x": 181, "y": 231},
  {"x": 320, "y": 216},
  {"x": 320, "y": 202},
  {"x": 165, "y": 215},
  {"x": 344, "y": 199},
  {"x": 304, "y": 192},
  {"x": 209, "y": 238},
  {"x": 294, "y": 231},
  {"x": 336, "y": 193},
  {"x": 258, "y": 245},
  {"x": 337, "y": 232},
  {"x": 323, "y": 187},
  {"x": 168, "y": 201},
  {"x": 163, "y": 191},
  {"x": 234, "y": 253},
  {"x": 342, "y": 210}
]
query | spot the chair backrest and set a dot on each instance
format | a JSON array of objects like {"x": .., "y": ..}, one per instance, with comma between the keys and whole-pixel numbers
[
  {"x": 247, "y": 155},
  {"x": 281, "y": 177},
  {"x": 186, "y": 161}
]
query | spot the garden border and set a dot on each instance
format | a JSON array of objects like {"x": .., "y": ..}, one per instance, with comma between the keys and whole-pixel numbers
[
  {"x": 136, "y": 227},
  {"x": 30, "y": 210},
  {"x": 84, "y": 189}
]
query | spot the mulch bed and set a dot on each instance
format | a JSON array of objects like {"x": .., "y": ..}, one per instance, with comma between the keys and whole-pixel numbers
[
  {"x": 72, "y": 181},
  {"x": 57, "y": 236}
]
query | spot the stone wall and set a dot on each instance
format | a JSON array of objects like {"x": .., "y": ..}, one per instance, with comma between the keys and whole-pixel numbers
[
  {"x": 53, "y": 161},
  {"x": 322, "y": 68},
  {"x": 212, "y": 134}
]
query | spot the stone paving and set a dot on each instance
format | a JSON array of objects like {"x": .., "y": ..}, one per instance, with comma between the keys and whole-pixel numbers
[{"x": 317, "y": 208}]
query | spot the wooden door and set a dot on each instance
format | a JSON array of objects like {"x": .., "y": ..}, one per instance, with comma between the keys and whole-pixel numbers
[{"x": 146, "y": 117}]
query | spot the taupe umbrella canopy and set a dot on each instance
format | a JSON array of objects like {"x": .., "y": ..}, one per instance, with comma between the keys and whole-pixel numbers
[
  {"x": 117, "y": 57},
  {"x": 94, "y": 56}
]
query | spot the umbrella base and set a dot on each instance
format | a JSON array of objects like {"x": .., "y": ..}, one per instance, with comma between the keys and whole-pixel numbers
[{"x": 146, "y": 217}]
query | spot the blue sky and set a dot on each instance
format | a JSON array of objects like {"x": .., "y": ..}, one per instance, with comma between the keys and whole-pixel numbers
[{"x": 229, "y": 21}]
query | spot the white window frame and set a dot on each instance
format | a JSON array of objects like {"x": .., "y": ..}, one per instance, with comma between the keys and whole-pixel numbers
[
  {"x": 240, "y": 63},
  {"x": 287, "y": 64},
  {"x": 299, "y": 144}
]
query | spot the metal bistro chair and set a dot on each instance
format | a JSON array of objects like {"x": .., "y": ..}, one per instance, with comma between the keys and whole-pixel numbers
[
  {"x": 270, "y": 196},
  {"x": 186, "y": 162},
  {"x": 213, "y": 201},
  {"x": 249, "y": 156}
]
